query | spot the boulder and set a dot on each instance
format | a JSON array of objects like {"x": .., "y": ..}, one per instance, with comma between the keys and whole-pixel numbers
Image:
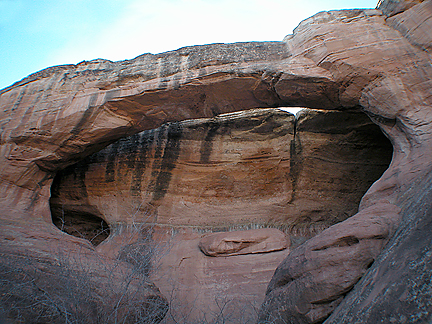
[{"x": 243, "y": 242}]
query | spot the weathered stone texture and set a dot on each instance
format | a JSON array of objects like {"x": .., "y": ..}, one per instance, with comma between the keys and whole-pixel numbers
[
  {"x": 249, "y": 168},
  {"x": 218, "y": 172},
  {"x": 243, "y": 242},
  {"x": 375, "y": 61},
  {"x": 392, "y": 78},
  {"x": 256, "y": 168}
]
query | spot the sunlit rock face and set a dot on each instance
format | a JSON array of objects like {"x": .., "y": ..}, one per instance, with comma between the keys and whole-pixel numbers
[{"x": 58, "y": 116}]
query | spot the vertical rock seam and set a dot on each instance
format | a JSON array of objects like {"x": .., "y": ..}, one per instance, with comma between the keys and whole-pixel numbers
[{"x": 295, "y": 160}]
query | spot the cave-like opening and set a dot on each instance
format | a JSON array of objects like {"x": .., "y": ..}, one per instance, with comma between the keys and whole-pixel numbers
[
  {"x": 76, "y": 219},
  {"x": 81, "y": 224},
  {"x": 329, "y": 161}
]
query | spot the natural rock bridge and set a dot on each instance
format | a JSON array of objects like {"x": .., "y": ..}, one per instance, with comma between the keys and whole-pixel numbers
[{"x": 374, "y": 265}]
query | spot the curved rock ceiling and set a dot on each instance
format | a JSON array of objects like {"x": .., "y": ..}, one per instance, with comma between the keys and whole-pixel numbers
[{"x": 370, "y": 60}]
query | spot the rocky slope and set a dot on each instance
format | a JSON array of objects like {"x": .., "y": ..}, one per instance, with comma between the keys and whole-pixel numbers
[{"x": 377, "y": 61}]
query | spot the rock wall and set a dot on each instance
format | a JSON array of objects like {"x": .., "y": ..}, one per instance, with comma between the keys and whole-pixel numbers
[
  {"x": 254, "y": 169},
  {"x": 391, "y": 51},
  {"x": 373, "y": 60},
  {"x": 257, "y": 167},
  {"x": 57, "y": 116},
  {"x": 215, "y": 173}
]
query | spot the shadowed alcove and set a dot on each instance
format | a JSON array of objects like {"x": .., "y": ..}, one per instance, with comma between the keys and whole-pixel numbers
[
  {"x": 262, "y": 167},
  {"x": 247, "y": 170}
]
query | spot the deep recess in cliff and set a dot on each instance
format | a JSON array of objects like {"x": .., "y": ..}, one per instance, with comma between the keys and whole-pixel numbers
[
  {"x": 255, "y": 168},
  {"x": 373, "y": 266}
]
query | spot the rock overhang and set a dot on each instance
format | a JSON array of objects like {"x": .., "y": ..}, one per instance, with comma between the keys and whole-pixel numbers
[
  {"x": 255, "y": 167},
  {"x": 321, "y": 60}
]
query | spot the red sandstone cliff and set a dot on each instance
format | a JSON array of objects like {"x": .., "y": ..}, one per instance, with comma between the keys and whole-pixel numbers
[
  {"x": 372, "y": 266},
  {"x": 262, "y": 169}
]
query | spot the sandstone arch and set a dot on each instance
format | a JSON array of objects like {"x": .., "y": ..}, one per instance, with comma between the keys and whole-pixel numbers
[
  {"x": 253, "y": 170},
  {"x": 375, "y": 60}
]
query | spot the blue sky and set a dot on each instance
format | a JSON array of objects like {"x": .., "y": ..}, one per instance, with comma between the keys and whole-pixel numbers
[{"x": 35, "y": 34}]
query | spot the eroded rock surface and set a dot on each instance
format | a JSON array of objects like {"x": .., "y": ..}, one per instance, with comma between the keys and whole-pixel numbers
[
  {"x": 218, "y": 172},
  {"x": 391, "y": 104},
  {"x": 244, "y": 242},
  {"x": 257, "y": 167},
  {"x": 204, "y": 288},
  {"x": 243, "y": 170},
  {"x": 373, "y": 60},
  {"x": 57, "y": 116},
  {"x": 310, "y": 281}
]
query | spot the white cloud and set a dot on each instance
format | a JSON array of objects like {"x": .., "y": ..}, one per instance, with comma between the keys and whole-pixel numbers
[{"x": 161, "y": 25}]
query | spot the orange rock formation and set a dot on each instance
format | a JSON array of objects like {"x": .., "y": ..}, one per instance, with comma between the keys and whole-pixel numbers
[{"x": 370, "y": 267}]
